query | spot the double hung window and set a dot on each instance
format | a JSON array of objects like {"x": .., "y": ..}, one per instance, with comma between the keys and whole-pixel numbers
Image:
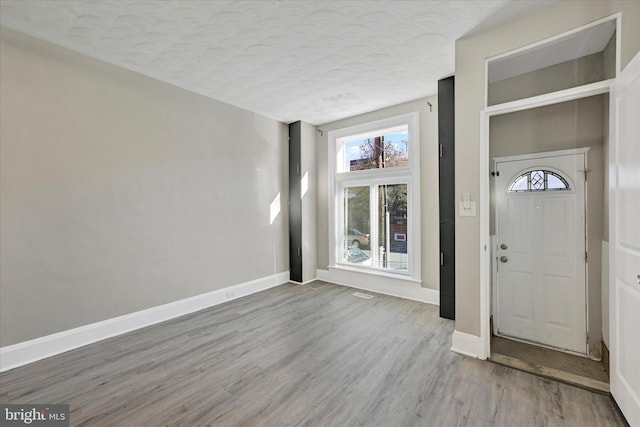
[{"x": 375, "y": 205}]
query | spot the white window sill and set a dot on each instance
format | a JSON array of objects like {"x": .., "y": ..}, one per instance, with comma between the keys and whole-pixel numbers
[
  {"x": 397, "y": 285},
  {"x": 405, "y": 277}
]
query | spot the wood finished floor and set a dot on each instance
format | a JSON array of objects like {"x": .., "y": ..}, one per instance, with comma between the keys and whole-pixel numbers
[{"x": 294, "y": 355}]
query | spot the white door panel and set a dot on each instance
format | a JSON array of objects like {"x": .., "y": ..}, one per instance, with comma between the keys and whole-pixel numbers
[
  {"x": 541, "y": 289},
  {"x": 624, "y": 245}
]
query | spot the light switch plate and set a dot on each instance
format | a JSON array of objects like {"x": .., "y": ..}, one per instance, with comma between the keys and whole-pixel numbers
[{"x": 468, "y": 212}]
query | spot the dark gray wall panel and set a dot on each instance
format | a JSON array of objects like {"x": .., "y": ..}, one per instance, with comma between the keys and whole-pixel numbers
[
  {"x": 295, "y": 204},
  {"x": 446, "y": 135}
]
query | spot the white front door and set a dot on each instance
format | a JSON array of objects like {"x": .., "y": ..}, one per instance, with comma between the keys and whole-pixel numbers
[
  {"x": 624, "y": 245},
  {"x": 540, "y": 230}
]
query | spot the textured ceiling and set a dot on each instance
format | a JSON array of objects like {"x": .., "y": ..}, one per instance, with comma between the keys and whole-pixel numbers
[{"x": 316, "y": 61}]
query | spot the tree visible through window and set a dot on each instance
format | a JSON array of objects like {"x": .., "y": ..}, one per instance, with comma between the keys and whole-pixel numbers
[{"x": 378, "y": 152}]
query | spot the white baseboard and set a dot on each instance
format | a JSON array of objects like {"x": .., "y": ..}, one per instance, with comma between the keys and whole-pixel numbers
[
  {"x": 383, "y": 285},
  {"x": 467, "y": 344},
  {"x": 303, "y": 283},
  {"x": 432, "y": 296},
  {"x": 26, "y": 352}
]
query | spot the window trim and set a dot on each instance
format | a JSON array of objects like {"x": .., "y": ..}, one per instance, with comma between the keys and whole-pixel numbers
[{"x": 409, "y": 175}]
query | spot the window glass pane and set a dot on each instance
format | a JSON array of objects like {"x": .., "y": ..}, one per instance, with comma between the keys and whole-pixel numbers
[
  {"x": 376, "y": 152},
  {"x": 392, "y": 227},
  {"x": 396, "y": 149},
  {"x": 521, "y": 184},
  {"x": 357, "y": 220},
  {"x": 539, "y": 180},
  {"x": 554, "y": 182}
]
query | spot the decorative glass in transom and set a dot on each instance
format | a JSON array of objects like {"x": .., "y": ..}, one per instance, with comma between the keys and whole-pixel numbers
[{"x": 539, "y": 180}]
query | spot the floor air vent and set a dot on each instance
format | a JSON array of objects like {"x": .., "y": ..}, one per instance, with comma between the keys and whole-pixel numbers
[{"x": 361, "y": 295}]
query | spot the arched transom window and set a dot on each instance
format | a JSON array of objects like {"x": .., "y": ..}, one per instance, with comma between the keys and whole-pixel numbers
[{"x": 539, "y": 180}]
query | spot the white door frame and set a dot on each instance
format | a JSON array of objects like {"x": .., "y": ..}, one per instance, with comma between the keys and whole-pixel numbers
[
  {"x": 552, "y": 154},
  {"x": 484, "y": 212}
]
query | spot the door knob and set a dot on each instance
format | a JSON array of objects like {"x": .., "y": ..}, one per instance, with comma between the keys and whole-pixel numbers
[
  {"x": 504, "y": 259},
  {"x": 503, "y": 246}
]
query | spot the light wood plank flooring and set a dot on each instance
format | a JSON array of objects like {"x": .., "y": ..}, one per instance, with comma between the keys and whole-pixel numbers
[{"x": 311, "y": 355}]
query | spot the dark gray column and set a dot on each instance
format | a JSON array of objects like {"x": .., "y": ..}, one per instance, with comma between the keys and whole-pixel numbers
[
  {"x": 295, "y": 204},
  {"x": 446, "y": 135}
]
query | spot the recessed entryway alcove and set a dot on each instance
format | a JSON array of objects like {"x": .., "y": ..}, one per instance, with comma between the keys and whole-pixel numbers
[
  {"x": 568, "y": 126},
  {"x": 548, "y": 97}
]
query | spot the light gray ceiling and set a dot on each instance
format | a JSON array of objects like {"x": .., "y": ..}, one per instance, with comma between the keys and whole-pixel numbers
[{"x": 316, "y": 61}]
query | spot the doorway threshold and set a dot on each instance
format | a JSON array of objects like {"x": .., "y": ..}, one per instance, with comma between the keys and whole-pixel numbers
[{"x": 567, "y": 368}]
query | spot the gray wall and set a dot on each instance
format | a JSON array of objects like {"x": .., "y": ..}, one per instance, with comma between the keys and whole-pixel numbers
[
  {"x": 562, "y": 126},
  {"x": 577, "y": 72},
  {"x": 429, "y": 159},
  {"x": 609, "y": 58},
  {"x": 120, "y": 192},
  {"x": 471, "y": 53}
]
